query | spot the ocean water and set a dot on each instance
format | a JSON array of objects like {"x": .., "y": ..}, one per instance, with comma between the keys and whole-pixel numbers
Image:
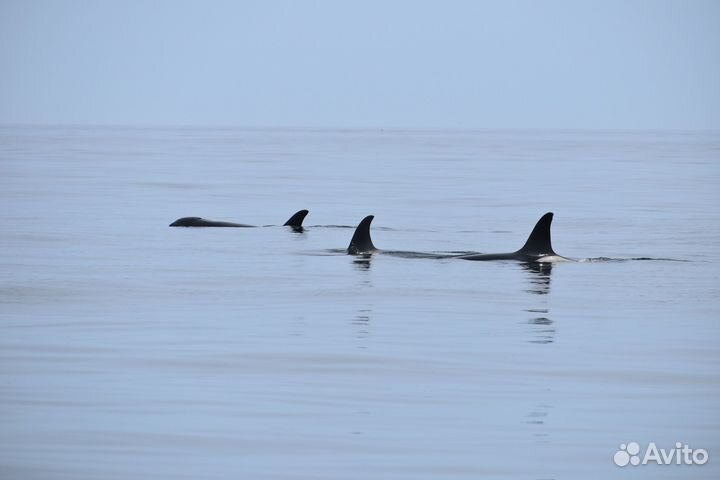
[{"x": 129, "y": 349}]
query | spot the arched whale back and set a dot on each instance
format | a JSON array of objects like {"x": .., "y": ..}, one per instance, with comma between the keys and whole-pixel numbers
[
  {"x": 361, "y": 241},
  {"x": 203, "y": 222},
  {"x": 296, "y": 220},
  {"x": 185, "y": 221},
  {"x": 539, "y": 243}
]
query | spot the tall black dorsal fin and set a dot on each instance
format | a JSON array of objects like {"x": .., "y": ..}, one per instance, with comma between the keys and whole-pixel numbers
[
  {"x": 361, "y": 242},
  {"x": 539, "y": 240},
  {"x": 297, "y": 219}
]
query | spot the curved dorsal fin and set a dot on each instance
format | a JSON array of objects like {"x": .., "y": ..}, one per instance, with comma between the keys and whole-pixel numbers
[
  {"x": 539, "y": 240},
  {"x": 297, "y": 219},
  {"x": 361, "y": 242}
]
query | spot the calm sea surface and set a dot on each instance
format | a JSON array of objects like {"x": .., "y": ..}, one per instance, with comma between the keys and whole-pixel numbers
[{"x": 130, "y": 350}]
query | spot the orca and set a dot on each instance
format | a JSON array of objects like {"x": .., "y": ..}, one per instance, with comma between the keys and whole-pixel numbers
[
  {"x": 295, "y": 222},
  {"x": 361, "y": 243},
  {"x": 537, "y": 248}
]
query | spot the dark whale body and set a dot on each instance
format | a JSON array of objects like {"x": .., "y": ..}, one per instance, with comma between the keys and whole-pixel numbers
[
  {"x": 362, "y": 245},
  {"x": 537, "y": 248},
  {"x": 203, "y": 222},
  {"x": 295, "y": 222}
]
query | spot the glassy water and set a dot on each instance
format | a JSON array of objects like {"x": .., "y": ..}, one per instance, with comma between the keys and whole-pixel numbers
[{"x": 134, "y": 350}]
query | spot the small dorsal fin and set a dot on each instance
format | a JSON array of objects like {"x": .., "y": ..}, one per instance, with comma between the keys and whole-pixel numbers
[
  {"x": 361, "y": 242},
  {"x": 297, "y": 219},
  {"x": 539, "y": 240}
]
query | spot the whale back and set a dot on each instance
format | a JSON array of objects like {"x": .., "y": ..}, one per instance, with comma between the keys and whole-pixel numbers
[{"x": 185, "y": 221}]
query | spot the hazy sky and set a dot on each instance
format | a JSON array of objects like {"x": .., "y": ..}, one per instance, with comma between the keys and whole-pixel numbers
[{"x": 556, "y": 64}]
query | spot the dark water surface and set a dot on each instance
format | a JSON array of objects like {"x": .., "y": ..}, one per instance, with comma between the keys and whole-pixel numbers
[{"x": 132, "y": 350}]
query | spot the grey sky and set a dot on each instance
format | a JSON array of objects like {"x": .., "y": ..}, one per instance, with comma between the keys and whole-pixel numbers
[{"x": 555, "y": 64}]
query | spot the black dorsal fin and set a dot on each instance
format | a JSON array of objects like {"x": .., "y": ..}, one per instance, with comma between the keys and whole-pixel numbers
[
  {"x": 297, "y": 219},
  {"x": 361, "y": 242},
  {"x": 538, "y": 242}
]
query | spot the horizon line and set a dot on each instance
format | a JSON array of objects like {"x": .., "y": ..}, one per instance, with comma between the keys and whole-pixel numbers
[{"x": 188, "y": 126}]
